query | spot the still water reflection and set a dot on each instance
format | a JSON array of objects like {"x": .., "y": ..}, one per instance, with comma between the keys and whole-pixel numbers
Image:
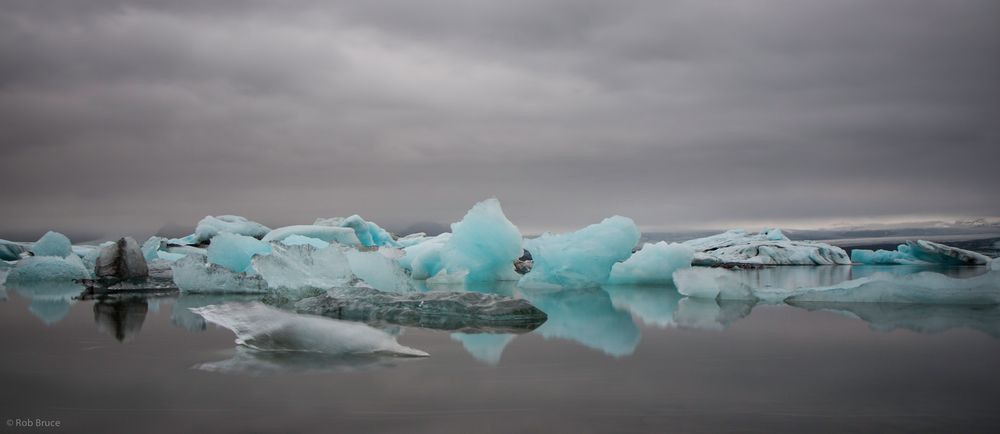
[{"x": 635, "y": 359}]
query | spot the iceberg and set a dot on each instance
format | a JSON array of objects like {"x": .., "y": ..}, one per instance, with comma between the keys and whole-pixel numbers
[
  {"x": 485, "y": 347},
  {"x": 440, "y": 310},
  {"x": 918, "y": 253},
  {"x": 581, "y": 259},
  {"x": 235, "y": 252},
  {"x": 379, "y": 269},
  {"x": 586, "y": 316},
  {"x": 152, "y": 246},
  {"x": 713, "y": 283},
  {"x": 482, "y": 247},
  {"x": 210, "y": 226},
  {"x": 194, "y": 274},
  {"x": 48, "y": 269},
  {"x": 11, "y": 251},
  {"x": 121, "y": 260},
  {"x": 298, "y": 240},
  {"x": 769, "y": 247},
  {"x": 266, "y": 328},
  {"x": 368, "y": 233},
  {"x": 304, "y": 267},
  {"x": 330, "y": 234},
  {"x": 654, "y": 264},
  {"x": 52, "y": 244}
]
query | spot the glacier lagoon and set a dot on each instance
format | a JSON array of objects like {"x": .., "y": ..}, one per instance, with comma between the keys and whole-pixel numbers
[{"x": 610, "y": 358}]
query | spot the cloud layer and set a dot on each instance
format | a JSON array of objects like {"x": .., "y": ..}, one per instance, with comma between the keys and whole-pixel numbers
[{"x": 120, "y": 116}]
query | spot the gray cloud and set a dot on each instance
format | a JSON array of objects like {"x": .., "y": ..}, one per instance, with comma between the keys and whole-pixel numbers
[{"x": 120, "y": 116}]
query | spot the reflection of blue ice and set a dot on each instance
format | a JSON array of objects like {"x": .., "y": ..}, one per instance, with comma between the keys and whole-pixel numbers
[
  {"x": 182, "y": 316},
  {"x": 921, "y": 318},
  {"x": 50, "y": 301},
  {"x": 250, "y": 362},
  {"x": 585, "y": 316},
  {"x": 485, "y": 347},
  {"x": 655, "y": 306}
]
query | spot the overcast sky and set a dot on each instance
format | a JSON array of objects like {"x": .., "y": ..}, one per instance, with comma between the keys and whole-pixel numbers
[{"x": 122, "y": 116}]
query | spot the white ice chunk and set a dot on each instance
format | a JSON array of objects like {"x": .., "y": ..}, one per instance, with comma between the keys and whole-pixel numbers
[
  {"x": 194, "y": 274},
  {"x": 298, "y": 240},
  {"x": 167, "y": 256},
  {"x": 368, "y": 233},
  {"x": 770, "y": 247},
  {"x": 152, "y": 245},
  {"x": 330, "y": 234},
  {"x": 654, "y": 264},
  {"x": 481, "y": 248},
  {"x": 268, "y": 329},
  {"x": 210, "y": 226},
  {"x": 304, "y": 267},
  {"x": 920, "y": 252},
  {"x": 236, "y": 251},
  {"x": 580, "y": 259},
  {"x": 379, "y": 270},
  {"x": 52, "y": 244},
  {"x": 713, "y": 283}
]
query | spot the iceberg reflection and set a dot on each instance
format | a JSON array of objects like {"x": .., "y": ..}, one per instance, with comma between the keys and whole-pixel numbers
[
  {"x": 485, "y": 347},
  {"x": 121, "y": 318},
  {"x": 586, "y": 316},
  {"x": 654, "y": 306},
  {"x": 921, "y": 318},
  {"x": 50, "y": 300},
  {"x": 709, "y": 314}
]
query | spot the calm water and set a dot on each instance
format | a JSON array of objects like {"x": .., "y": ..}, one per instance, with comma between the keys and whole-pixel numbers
[{"x": 613, "y": 360}]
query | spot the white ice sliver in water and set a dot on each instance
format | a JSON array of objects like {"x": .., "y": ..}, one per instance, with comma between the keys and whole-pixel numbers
[{"x": 269, "y": 329}]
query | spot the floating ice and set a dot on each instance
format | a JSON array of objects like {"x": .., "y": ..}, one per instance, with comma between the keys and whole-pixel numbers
[
  {"x": 182, "y": 316},
  {"x": 48, "y": 269},
  {"x": 193, "y": 273},
  {"x": 298, "y": 240},
  {"x": 236, "y": 251},
  {"x": 11, "y": 251},
  {"x": 379, "y": 269},
  {"x": 304, "y": 267},
  {"x": 330, "y": 234},
  {"x": 122, "y": 260},
  {"x": 440, "y": 310},
  {"x": 266, "y": 328},
  {"x": 152, "y": 246},
  {"x": 485, "y": 347},
  {"x": 920, "y": 252},
  {"x": 586, "y": 316},
  {"x": 481, "y": 248},
  {"x": 654, "y": 264},
  {"x": 580, "y": 259},
  {"x": 211, "y": 226},
  {"x": 713, "y": 283},
  {"x": 368, "y": 233},
  {"x": 167, "y": 256},
  {"x": 770, "y": 247},
  {"x": 52, "y": 244}
]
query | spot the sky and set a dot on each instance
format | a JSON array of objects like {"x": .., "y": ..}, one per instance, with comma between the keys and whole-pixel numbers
[{"x": 122, "y": 116}]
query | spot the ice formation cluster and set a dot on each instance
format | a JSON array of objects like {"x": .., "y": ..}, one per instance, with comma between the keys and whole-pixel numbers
[
  {"x": 919, "y": 252},
  {"x": 769, "y": 247}
]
